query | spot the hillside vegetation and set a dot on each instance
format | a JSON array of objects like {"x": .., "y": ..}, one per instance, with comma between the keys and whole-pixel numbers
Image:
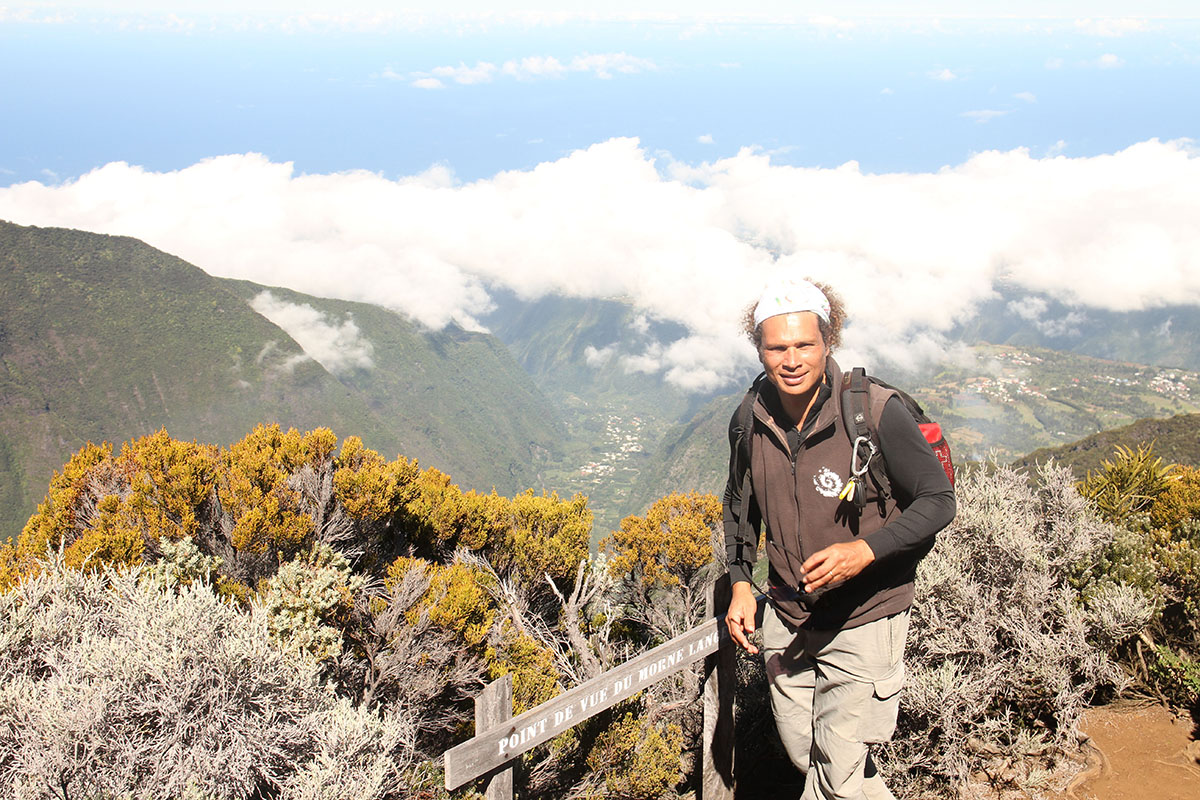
[
  {"x": 1008, "y": 403},
  {"x": 1176, "y": 440},
  {"x": 576, "y": 350},
  {"x": 387, "y": 585},
  {"x": 300, "y": 617},
  {"x": 104, "y": 338}
]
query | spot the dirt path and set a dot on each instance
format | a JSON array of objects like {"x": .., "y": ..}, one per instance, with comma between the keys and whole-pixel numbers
[{"x": 1147, "y": 753}]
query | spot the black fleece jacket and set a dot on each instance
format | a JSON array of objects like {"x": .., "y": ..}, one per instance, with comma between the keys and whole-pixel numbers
[{"x": 922, "y": 490}]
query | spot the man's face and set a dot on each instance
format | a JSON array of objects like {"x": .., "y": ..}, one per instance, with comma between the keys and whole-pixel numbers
[{"x": 793, "y": 353}]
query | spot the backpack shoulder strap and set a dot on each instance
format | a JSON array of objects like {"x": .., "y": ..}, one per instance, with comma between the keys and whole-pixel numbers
[
  {"x": 855, "y": 403},
  {"x": 863, "y": 399},
  {"x": 741, "y": 426}
]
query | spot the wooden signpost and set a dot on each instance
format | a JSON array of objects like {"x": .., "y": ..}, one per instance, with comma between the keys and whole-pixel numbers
[
  {"x": 496, "y": 746},
  {"x": 500, "y": 738}
]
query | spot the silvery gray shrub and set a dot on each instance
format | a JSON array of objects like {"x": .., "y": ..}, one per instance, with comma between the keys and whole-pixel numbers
[
  {"x": 114, "y": 684},
  {"x": 1004, "y": 653}
]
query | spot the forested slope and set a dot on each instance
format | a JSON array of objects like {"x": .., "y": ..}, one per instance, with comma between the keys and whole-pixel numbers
[{"x": 103, "y": 338}]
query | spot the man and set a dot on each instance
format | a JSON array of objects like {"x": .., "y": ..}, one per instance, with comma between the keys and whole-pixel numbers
[{"x": 841, "y": 580}]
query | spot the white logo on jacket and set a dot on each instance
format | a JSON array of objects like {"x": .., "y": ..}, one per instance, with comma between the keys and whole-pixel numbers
[{"x": 828, "y": 482}]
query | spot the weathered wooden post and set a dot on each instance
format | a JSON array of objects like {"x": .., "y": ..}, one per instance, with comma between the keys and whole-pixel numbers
[
  {"x": 493, "y": 708},
  {"x": 717, "y": 765}
]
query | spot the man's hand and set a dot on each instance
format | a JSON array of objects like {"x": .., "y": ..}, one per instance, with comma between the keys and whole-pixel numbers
[
  {"x": 836, "y": 563},
  {"x": 740, "y": 617}
]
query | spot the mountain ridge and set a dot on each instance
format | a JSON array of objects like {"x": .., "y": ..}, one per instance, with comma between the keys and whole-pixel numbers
[{"x": 104, "y": 338}]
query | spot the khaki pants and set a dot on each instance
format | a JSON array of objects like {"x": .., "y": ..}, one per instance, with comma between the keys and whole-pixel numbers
[{"x": 833, "y": 693}]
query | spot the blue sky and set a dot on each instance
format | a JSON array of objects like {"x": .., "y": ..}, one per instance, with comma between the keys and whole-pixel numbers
[
  {"x": 118, "y": 82},
  {"x": 672, "y": 153}
]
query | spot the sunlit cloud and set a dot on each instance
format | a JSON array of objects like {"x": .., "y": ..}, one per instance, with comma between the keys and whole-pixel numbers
[
  {"x": 1028, "y": 97},
  {"x": 833, "y": 23},
  {"x": 912, "y": 253},
  {"x": 1034, "y": 310},
  {"x": 599, "y": 356},
  {"x": 482, "y": 72},
  {"x": 599, "y": 65},
  {"x": 1111, "y": 27},
  {"x": 336, "y": 346},
  {"x": 604, "y": 65},
  {"x": 1108, "y": 61},
  {"x": 36, "y": 16},
  {"x": 535, "y": 67},
  {"x": 942, "y": 75}
]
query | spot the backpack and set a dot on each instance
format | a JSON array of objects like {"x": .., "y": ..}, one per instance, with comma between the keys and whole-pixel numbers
[{"x": 856, "y": 386}]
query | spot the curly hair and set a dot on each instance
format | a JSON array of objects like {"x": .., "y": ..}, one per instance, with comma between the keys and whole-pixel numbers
[{"x": 831, "y": 332}]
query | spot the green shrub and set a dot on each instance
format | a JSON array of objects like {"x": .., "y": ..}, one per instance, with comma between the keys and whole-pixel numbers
[
  {"x": 1156, "y": 550},
  {"x": 1128, "y": 483},
  {"x": 1177, "y": 676},
  {"x": 304, "y": 599}
]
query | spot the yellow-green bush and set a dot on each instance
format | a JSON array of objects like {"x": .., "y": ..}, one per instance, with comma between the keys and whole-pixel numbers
[
  {"x": 57, "y": 519},
  {"x": 637, "y": 759},
  {"x": 170, "y": 480},
  {"x": 1157, "y": 550},
  {"x": 541, "y": 535},
  {"x": 668, "y": 545},
  {"x": 11, "y": 572},
  {"x": 439, "y": 517},
  {"x": 105, "y": 509},
  {"x": 1168, "y": 535},
  {"x": 369, "y": 486},
  {"x": 457, "y": 600},
  {"x": 253, "y": 488},
  {"x": 112, "y": 537},
  {"x": 535, "y": 678},
  {"x": 1179, "y": 501}
]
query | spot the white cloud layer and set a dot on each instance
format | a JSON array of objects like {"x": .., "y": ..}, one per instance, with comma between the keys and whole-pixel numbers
[
  {"x": 912, "y": 253},
  {"x": 598, "y": 357},
  {"x": 1112, "y": 27},
  {"x": 338, "y": 347},
  {"x": 600, "y": 65}
]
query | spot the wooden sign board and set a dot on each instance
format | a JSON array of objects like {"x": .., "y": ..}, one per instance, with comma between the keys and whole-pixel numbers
[{"x": 492, "y": 748}]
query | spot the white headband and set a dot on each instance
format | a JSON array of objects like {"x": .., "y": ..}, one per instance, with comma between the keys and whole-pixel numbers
[{"x": 789, "y": 295}]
